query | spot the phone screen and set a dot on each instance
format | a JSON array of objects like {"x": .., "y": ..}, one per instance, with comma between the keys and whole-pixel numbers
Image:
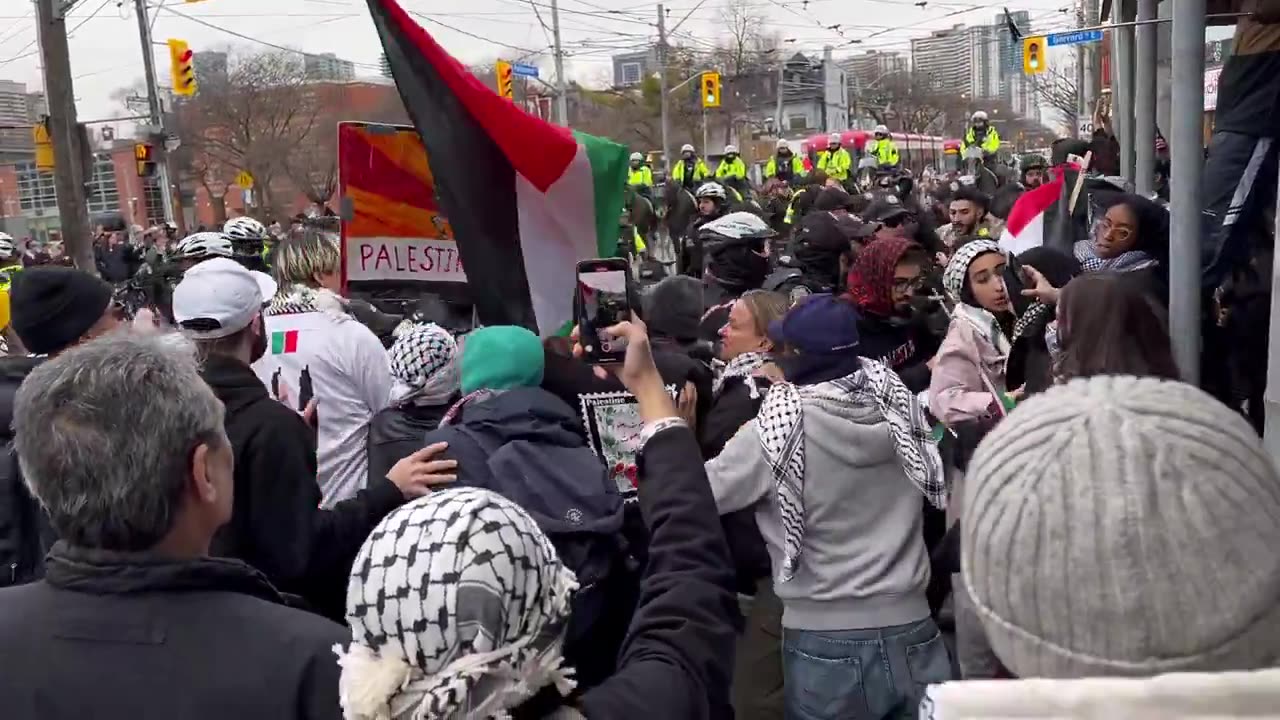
[{"x": 602, "y": 303}]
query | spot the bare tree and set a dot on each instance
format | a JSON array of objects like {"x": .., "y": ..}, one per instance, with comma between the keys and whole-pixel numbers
[
  {"x": 905, "y": 102},
  {"x": 1056, "y": 89},
  {"x": 746, "y": 57},
  {"x": 253, "y": 119}
]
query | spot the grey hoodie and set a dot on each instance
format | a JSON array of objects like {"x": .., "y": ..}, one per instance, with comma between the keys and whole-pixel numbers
[{"x": 863, "y": 563}]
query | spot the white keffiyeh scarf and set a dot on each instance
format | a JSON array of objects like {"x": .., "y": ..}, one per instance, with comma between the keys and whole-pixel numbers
[
  {"x": 742, "y": 366},
  {"x": 457, "y": 605},
  {"x": 780, "y": 426}
]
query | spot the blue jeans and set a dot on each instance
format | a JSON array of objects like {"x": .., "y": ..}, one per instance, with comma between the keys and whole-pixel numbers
[{"x": 861, "y": 674}]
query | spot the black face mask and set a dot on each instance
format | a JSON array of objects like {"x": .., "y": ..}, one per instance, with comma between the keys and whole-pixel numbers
[{"x": 740, "y": 268}]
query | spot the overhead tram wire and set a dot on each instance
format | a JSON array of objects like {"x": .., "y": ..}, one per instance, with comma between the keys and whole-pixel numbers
[
  {"x": 22, "y": 51},
  {"x": 259, "y": 41}
]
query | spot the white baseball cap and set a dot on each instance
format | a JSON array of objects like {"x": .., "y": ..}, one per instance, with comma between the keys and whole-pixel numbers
[{"x": 220, "y": 297}]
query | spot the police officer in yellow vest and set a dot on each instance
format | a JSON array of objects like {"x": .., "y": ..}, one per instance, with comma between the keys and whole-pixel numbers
[
  {"x": 835, "y": 160},
  {"x": 883, "y": 149},
  {"x": 982, "y": 134},
  {"x": 784, "y": 164},
  {"x": 10, "y": 263},
  {"x": 639, "y": 176},
  {"x": 731, "y": 166},
  {"x": 689, "y": 170}
]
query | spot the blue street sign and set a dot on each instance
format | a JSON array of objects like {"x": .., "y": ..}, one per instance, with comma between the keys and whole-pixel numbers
[
  {"x": 522, "y": 70},
  {"x": 1075, "y": 38}
]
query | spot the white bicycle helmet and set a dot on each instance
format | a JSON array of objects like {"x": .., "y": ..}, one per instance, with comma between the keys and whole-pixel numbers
[
  {"x": 203, "y": 245},
  {"x": 730, "y": 149},
  {"x": 980, "y": 115},
  {"x": 637, "y": 157},
  {"x": 244, "y": 228},
  {"x": 686, "y": 148},
  {"x": 711, "y": 190},
  {"x": 882, "y": 130},
  {"x": 784, "y": 145},
  {"x": 833, "y": 139},
  {"x": 8, "y": 249},
  {"x": 737, "y": 226}
]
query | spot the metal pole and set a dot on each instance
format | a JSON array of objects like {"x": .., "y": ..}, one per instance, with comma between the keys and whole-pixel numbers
[
  {"x": 704, "y": 133},
  {"x": 777, "y": 111},
  {"x": 662, "y": 88},
  {"x": 68, "y": 175},
  {"x": 1144, "y": 74},
  {"x": 1122, "y": 89},
  {"x": 154, "y": 109},
  {"x": 1186, "y": 142},
  {"x": 1089, "y": 89},
  {"x": 562, "y": 87}
]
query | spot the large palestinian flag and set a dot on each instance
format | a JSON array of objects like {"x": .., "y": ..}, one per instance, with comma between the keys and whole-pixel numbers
[{"x": 526, "y": 199}]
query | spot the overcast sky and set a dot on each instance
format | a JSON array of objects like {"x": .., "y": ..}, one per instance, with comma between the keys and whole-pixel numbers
[{"x": 105, "y": 51}]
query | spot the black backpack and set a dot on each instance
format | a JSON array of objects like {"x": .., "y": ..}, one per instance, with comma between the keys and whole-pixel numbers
[{"x": 568, "y": 492}]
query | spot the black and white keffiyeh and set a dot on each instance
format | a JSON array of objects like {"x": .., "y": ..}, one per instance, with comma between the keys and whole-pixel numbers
[
  {"x": 742, "y": 366},
  {"x": 1124, "y": 262},
  {"x": 457, "y": 604},
  {"x": 780, "y": 427},
  {"x": 424, "y": 364},
  {"x": 299, "y": 299}
]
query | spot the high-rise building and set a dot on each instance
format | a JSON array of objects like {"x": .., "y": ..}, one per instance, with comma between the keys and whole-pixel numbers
[
  {"x": 18, "y": 110},
  {"x": 327, "y": 67},
  {"x": 872, "y": 67},
  {"x": 984, "y": 63},
  {"x": 1015, "y": 88},
  {"x": 943, "y": 61}
]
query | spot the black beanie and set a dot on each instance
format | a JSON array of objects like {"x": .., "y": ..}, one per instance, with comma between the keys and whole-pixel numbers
[
  {"x": 52, "y": 307},
  {"x": 674, "y": 308}
]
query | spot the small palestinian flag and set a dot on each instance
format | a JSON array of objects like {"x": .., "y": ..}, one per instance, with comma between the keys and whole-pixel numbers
[
  {"x": 284, "y": 342},
  {"x": 526, "y": 199}
]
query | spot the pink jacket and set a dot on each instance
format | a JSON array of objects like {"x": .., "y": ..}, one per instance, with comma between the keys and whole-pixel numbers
[{"x": 968, "y": 378}]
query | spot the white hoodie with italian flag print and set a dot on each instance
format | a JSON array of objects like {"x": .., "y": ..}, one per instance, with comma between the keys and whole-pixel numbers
[{"x": 316, "y": 351}]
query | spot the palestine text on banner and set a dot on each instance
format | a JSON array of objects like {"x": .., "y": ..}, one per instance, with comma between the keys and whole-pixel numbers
[
  {"x": 525, "y": 199},
  {"x": 392, "y": 228}
]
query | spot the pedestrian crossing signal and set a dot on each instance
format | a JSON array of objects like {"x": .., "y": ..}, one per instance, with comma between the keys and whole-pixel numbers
[
  {"x": 1034, "y": 61},
  {"x": 182, "y": 68},
  {"x": 506, "y": 79},
  {"x": 144, "y": 155},
  {"x": 711, "y": 90}
]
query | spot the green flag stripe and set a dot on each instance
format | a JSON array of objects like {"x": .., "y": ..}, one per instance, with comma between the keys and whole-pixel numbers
[{"x": 608, "y": 162}]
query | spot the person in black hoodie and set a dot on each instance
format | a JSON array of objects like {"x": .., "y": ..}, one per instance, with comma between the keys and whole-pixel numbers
[
  {"x": 125, "y": 447},
  {"x": 737, "y": 248},
  {"x": 424, "y": 366},
  {"x": 276, "y": 524},
  {"x": 674, "y": 662},
  {"x": 883, "y": 283},
  {"x": 52, "y": 309}
]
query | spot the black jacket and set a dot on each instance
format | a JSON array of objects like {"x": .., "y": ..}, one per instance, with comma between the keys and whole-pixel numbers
[
  {"x": 117, "y": 264},
  {"x": 905, "y": 347},
  {"x": 732, "y": 409},
  {"x": 396, "y": 433},
  {"x": 112, "y": 636},
  {"x": 277, "y": 525},
  {"x": 531, "y": 414},
  {"x": 24, "y": 529},
  {"x": 677, "y": 659}
]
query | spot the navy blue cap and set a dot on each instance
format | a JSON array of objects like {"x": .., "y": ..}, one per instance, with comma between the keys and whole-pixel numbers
[{"x": 820, "y": 325}]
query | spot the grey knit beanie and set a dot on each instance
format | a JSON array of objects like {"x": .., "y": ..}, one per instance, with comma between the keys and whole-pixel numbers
[{"x": 1124, "y": 526}]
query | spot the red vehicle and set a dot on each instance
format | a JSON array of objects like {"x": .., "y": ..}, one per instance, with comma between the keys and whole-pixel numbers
[{"x": 915, "y": 152}]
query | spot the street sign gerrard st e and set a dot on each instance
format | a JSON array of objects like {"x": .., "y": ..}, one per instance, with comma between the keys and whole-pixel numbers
[
  {"x": 244, "y": 180},
  {"x": 1075, "y": 38},
  {"x": 523, "y": 70}
]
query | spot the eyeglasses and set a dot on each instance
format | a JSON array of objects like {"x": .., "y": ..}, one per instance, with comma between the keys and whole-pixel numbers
[
  {"x": 906, "y": 285},
  {"x": 1121, "y": 234}
]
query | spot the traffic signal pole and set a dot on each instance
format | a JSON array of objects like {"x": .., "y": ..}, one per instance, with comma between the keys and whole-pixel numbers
[
  {"x": 68, "y": 175},
  {"x": 153, "y": 107}
]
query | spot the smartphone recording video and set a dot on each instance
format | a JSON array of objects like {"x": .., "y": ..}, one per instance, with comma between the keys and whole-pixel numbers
[{"x": 601, "y": 303}]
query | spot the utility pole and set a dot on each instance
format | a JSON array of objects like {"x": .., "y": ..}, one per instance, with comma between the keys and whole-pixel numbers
[
  {"x": 782, "y": 81},
  {"x": 153, "y": 107},
  {"x": 562, "y": 87},
  {"x": 662, "y": 87},
  {"x": 68, "y": 175},
  {"x": 1089, "y": 61}
]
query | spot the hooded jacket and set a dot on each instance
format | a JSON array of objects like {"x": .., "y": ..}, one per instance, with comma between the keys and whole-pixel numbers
[
  {"x": 277, "y": 525},
  {"x": 111, "y": 635}
]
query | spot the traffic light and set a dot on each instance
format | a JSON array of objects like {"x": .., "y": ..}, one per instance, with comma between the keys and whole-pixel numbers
[
  {"x": 144, "y": 157},
  {"x": 44, "y": 145},
  {"x": 711, "y": 90},
  {"x": 505, "y": 79},
  {"x": 182, "y": 68},
  {"x": 1034, "y": 60}
]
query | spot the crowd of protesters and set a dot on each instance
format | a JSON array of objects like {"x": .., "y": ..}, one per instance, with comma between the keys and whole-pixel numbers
[{"x": 880, "y": 465}]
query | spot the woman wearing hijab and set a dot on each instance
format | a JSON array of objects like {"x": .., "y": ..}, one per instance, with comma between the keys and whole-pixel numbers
[
  {"x": 458, "y": 603},
  {"x": 834, "y": 467},
  {"x": 968, "y": 380},
  {"x": 424, "y": 368}
]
